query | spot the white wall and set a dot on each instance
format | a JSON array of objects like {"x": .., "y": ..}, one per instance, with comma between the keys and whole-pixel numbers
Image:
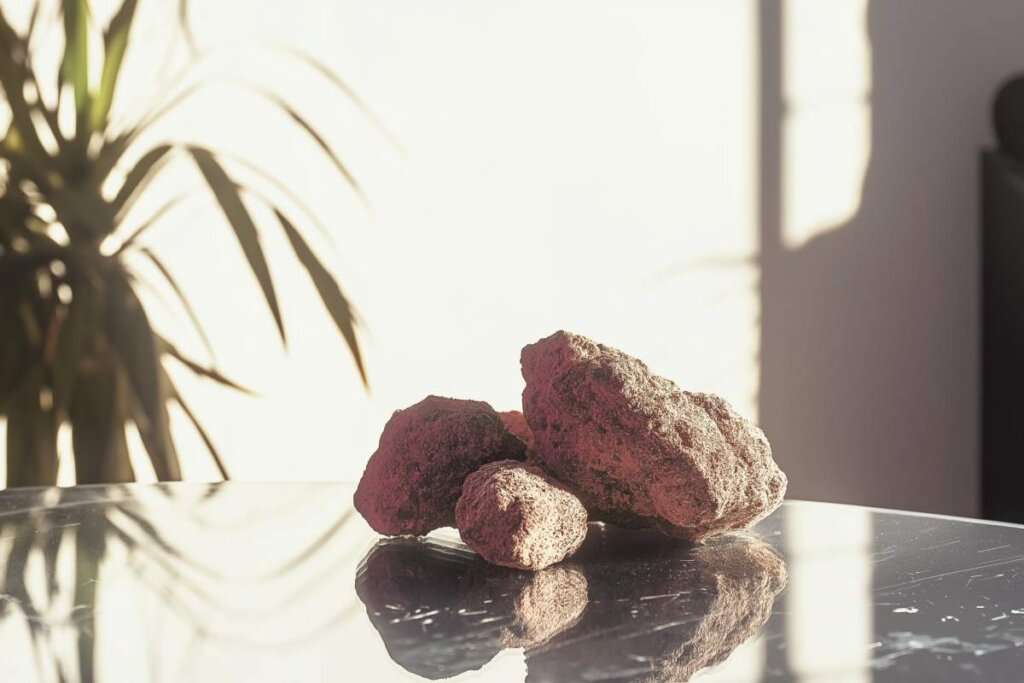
[
  {"x": 557, "y": 173},
  {"x": 597, "y": 166}
]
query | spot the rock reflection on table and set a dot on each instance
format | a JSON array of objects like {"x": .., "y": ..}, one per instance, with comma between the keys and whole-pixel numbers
[
  {"x": 441, "y": 610},
  {"x": 630, "y": 606}
]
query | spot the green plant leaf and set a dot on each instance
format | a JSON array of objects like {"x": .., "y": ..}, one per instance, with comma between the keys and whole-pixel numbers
[
  {"x": 83, "y": 212},
  {"x": 75, "y": 66},
  {"x": 330, "y": 293},
  {"x": 31, "y": 439},
  {"x": 158, "y": 264},
  {"x": 217, "y": 460},
  {"x": 98, "y": 414},
  {"x": 346, "y": 90},
  {"x": 285, "y": 191},
  {"x": 21, "y": 141},
  {"x": 199, "y": 369},
  {"x": 115, "y": 42},
  {"x": 49, "y": 114},
  {"x": 320, "y": 141},
  {"x": 114, "y": 148},
  {"x": 148, "y": 223},
  {"x": 135, "y": 347},
  {"x": 230, "y": 200},
  {"x": 157, "y": 440},
  {"x": 14, "y": 364},
  {"x": 137, "y": 178},
  {"x": 81, "y": 319}
]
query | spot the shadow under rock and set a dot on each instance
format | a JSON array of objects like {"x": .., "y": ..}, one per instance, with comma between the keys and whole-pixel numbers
[{"x": 630, "y": 606}]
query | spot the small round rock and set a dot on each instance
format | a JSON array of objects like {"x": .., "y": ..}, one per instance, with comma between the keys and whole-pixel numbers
[{"x": 515, "y": 515}]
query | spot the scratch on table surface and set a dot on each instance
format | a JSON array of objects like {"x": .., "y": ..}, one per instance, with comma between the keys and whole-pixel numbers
[
  {"x": 424, "y": 615},
  {"x": 971, "y": 579},
  {"x": 998, "y": 547},
  {"x": 664, "y": 595},
  {"x": 942, "y": 545},
  {"x": 931, "y": 577}
]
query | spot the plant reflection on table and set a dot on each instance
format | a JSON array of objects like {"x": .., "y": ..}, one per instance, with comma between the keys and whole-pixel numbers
[
  {"x": 59, "y": 547},
  {"x": 629, "y": 606}
]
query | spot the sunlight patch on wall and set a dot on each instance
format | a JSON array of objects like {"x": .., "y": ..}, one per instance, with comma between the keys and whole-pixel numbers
[{"x": 827, "y": 121}]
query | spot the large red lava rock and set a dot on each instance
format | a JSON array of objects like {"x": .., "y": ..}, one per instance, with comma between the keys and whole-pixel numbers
[
  {"x": 413, "y": 481},
  {"x": 514, "y": 515},
  {"x": 637, "y": 450}
]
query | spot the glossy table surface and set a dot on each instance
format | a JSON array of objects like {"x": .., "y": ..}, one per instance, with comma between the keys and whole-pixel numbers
[{"x": 284, "y": 582}]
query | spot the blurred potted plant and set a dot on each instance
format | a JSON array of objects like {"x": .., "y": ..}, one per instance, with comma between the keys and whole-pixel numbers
[{"x": 76, "y": 346}]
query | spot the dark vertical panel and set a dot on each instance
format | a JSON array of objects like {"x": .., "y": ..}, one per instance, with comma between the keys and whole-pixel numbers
[{"x": 1002, "y": 313}]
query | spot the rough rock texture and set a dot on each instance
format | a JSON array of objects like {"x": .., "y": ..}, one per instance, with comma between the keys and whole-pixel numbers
[
  {"x": 515, "y": 422},
  {"x": 414, "y": 479},
  {"x": 637, "y": 450},
  {"x": 515, "y": 515},
  {"x": 441, "y": 610}
]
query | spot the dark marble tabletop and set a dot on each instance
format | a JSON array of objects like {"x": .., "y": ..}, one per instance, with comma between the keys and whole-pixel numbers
[{"x": 284, "y": 582}]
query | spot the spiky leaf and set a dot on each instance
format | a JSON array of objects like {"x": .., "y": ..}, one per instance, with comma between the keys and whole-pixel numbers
[
  {"x": 207, "y": 441},
  {"x": 319, "y": 140},
  {"x": 74, "y": 68},
  {"x": 230, "y": 200},
  {"x": 31, "y": 439},
  {"x": 199, "y": 369},
  {"x": 81, "y": 321},
  {"x": 173, "y": 283},
  {"x": 98, "y": 414},
  {"x": 115, "y": 42},
  {"x": 139, "y": 177},
  {"x": 131, "y": 337},
  {"x": 327, "y": 287}
]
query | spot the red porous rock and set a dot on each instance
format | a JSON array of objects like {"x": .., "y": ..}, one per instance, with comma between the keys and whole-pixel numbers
[
  {"x": 515, "y": 422},
  {"x": 515, "y": 515},
  {"x": 413, "y": 481},
  {"x": 637, "y": 450}
]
